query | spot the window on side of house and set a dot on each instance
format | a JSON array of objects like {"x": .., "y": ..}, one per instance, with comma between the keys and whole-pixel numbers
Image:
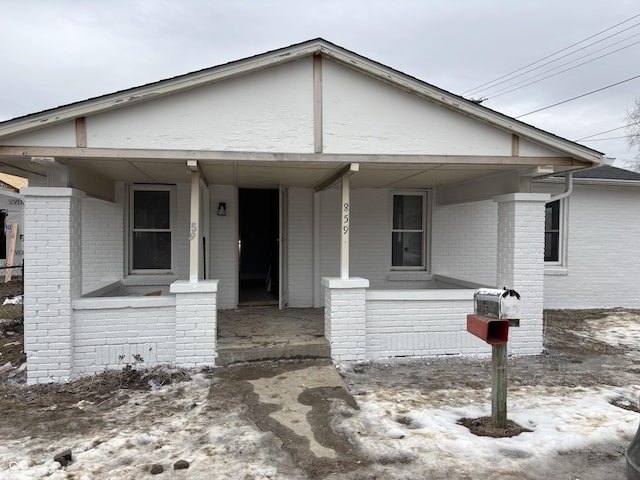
[
  {"x": 150, "y": 218},
  {"x": 553, "y": 232},
  {"x": 408, "y": 231}
]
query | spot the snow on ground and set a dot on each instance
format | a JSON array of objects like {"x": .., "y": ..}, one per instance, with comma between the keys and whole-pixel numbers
[
  {"x": 617, "y": 329},
  {"x": 157, "y": 427},
  {"x": 424, "y": 428}
]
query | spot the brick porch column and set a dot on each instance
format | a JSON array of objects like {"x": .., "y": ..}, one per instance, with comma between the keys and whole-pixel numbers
[
  {"x": 52, "y": 280},
  {"x": 520, "y": 259},
  {"x": 345, "y": 319},
  {"x": 196, "y": 322}
]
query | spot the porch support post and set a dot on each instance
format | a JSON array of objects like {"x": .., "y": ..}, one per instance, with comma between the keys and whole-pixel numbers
[
  {"x": 520, "y": 263},
  {"x": 52, "y": 280},
  {"x": 344, "y": 227},
  {"x": 196, "y": 322},
  {"x": 345, "y": 318},
  {"x": 194, "y": 228}
]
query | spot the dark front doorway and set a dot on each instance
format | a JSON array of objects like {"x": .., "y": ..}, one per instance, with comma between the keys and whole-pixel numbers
[{"x": 259, "y": 262}]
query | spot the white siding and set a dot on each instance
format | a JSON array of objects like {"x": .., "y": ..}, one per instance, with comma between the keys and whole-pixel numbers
[
  {"x": 365, "y": 115},
  {"x": 270, "y": 110},
  {"x": 62, "y": 135},
  {"x": 223, "y": 264},
  {"x": 530, "y": 149},
  {"x": 300, "y": 236},
  {"x": 603, "y": 268}
]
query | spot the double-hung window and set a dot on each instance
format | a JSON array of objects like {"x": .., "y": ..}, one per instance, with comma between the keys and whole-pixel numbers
[
  {"x": 150, "y": 213},
  {"x": 408, "y": 231},
  {"x": 553, "y": 232}
]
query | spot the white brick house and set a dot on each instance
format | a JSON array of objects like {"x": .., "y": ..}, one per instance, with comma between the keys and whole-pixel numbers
[{"x": 321, "y": 175}]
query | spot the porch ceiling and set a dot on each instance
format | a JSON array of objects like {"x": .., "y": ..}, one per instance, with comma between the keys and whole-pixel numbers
[{"x": 268, "y": 170}]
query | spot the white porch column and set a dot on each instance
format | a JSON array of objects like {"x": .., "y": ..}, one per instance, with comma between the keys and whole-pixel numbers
[
  {"x": 52, "y": 280},
  {"x": 345, "y": 208},
  {"x": 194, "y": 231},
  {"x": 196, "y": 322},
  {"x": 345, "y": 319},
  {"x": 520, "y": 263}
]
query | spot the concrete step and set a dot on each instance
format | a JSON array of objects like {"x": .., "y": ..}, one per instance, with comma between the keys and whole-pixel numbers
[{"x": 234, "y": 352}]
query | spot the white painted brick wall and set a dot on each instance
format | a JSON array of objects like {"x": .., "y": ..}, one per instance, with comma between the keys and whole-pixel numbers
[
  {"x": 345, "y": 322},
  {"x": 300, "y": 247},
  {"x": 603, "y": 269},
  {"x": 102, "y": 242},
  {"x": 420, "y": 328},
  {"x": 464, "y": 240},
  {"x": 53, "y": 276},
  {"x": 223, "y": 264},
  {"x": 195, "y": 329},
  {"x": 521, "y": 264},
  {"x": 111, "y": 338}
]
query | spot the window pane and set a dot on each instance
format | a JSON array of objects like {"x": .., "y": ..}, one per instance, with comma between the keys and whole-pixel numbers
[
  {"x": 552, "y": 216},
  {"x": 151, "y": 209},
  {"x": 406, "y": 249},
  {"x": 407, "y": 212},
  {"x": 551, "y": 249},
  {"x": 152, "y": 250}
]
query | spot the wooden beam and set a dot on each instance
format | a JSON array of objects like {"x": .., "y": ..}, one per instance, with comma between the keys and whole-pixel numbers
[
  {"x": 81, "y": 132},
  {"x": 317, "y": 103},
  {"x": 515, "y": 145},
  {"x": 158, "y": 155},
  {"x": 347, "y": 170}
]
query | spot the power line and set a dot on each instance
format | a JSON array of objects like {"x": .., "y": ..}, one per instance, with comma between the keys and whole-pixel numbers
[
  {"x": 608, "y": 138},
  {"x": 579, "y": 96},
  {"x": 606, "y": 131},
  {"x": 551, "y": 55},
  {"x": 571, "y": 53},
  {"x": 519, "y": 85}
]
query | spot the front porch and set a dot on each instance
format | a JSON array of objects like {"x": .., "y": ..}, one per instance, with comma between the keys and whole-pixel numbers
[{"x": 267, "y": 333}]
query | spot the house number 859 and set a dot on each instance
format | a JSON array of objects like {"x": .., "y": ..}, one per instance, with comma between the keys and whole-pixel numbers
[{"x": 345, "y": 227}]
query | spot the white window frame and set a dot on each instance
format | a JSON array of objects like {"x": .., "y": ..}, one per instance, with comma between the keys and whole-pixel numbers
[
  {"x": 172, "y": 222},
  {"x": 562, "y": 235},
  {"x": 426, "y": 230}
]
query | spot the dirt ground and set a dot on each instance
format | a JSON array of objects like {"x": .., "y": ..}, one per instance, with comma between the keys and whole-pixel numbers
[{"x": 91, "y": 407}]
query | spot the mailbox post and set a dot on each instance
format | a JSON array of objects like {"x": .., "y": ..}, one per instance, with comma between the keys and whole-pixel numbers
[{"x": 495, "y": 310}]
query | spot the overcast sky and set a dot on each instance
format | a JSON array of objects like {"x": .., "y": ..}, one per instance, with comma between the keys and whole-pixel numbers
[{"x": 54, "y": 52}]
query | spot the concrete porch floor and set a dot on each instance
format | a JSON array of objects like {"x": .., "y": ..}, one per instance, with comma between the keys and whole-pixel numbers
[{"x": 266, "y": 333}]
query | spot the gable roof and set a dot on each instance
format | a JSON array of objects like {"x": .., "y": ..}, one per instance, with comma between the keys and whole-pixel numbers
[{"x": 292, "y": 53}]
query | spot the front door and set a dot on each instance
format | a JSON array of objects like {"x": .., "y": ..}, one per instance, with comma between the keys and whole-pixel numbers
[{"x": 259, "y": 262}]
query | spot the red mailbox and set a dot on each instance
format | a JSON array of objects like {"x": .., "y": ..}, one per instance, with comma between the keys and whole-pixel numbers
[{"x": 494, "y": 331}]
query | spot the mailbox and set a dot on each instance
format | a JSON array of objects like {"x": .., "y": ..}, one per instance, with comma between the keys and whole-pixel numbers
[
  {"x": 495, "y": 311},
  {"x": 494, "y": 303}
]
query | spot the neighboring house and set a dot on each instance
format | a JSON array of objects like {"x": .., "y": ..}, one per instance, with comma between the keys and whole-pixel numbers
[
  {"x": 312, "y": 172},
  {"x": 593, "y": 260},
  {"x": 11, "y": 208}
]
